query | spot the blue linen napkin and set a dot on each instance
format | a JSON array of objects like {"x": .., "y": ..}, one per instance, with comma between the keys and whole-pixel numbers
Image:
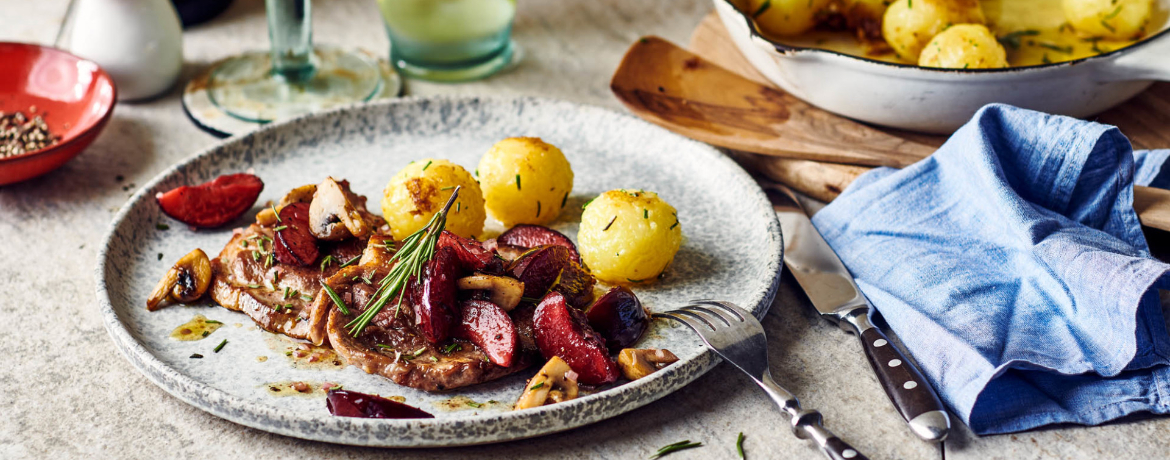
[{"x": 1012, "y": 266}]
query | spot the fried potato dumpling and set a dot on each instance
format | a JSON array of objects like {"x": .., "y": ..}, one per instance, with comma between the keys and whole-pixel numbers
[
  {"x": 964, "y": 46},
  {"x": 908, "y": 25},
  {"x": 525, "y": 180},
  {"x": 786, "y": 18},
  {"x": 421, "y": 189},
  {"x": 628, "y": 236},
  {"x": 1115, "y": 19}
]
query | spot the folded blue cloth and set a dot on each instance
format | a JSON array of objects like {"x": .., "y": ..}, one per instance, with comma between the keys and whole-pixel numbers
[{"x": 1013, "y": 267}]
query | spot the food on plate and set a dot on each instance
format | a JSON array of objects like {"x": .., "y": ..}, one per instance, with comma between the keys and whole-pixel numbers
[
  {"x": 786, "y": 17},
  {"x": 186, "y": 281},
  {"x": 434, "y": 309},
  {"x": 908, "y": 25},
  {"x": 1031, "y": 32},
  {"x": 628, "y": 236},
  {"x": 212, "y": 204},
  {"x": 964, "y": 46},
  {"x": 345, "y": 403},
  {"x": 1116, "y": 19},
  {"x": 555, "y": 383},
  {"x": 619, "y": 317},
  {"x": 551, "y": 269},
  {"x": 563, "y": 331},
  {"x": 525, "y": 181},
  {"x": 530, "y": 236},
  {"x": 420, "y": 189},
  {"x": 637, "y": 363}
]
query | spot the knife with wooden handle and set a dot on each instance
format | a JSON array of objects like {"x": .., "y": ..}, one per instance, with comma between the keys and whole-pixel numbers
[{"x": 835, "y": 295}]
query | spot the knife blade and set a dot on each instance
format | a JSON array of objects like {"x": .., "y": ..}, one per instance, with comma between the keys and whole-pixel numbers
[{"x": 835, "y": 295}]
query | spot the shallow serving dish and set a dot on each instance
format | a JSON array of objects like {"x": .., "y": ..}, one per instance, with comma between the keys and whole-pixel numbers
[
  {"x": 940, "y": 100},
  {"x": 732, "y": 250},
  {"x": 75, "y": 96}
]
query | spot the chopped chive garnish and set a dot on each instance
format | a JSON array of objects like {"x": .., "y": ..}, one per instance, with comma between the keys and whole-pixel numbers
[
  {"x": 417, "y": 353},
  {"x": 335, "y": 298},
  {"x": 610, "y": 224},
  {"x": 212, "y": 321},
  {"x": 565, "y": 199},
  {"x": 1012, "y": 40},
  {"x": 162, "y": 226},
  {"x": 160, "y": 256},
  {"x": 537, "y": 215},
  {"x": 1062, "y": 49},
  {"x": 350, "y": 261},
  {"x": 206, "y": 333},
  {"x": 537, "y": 386},
  {"x": 586, "y": 205},
  {"x": 220, "y": 346},
  {"x": 277, "y": 214},
  {"x": 1107, "y": 26},
  {"x": 285, "y": 293},
  {"x": 382, "y": 345},
  {"x": 675, "y": 448},
  {"x": 256, "y": 256},
  {"x": 763, "y": 7},
  {"x": 476, "y": 172},
  {"x": 427, "y": 165},
  {"x": 196, "y": 356},
  {"x": 517, "y": 182},
  {"x": 458, "y": 207},
  {"x": 452, "y": 347},
  {"x": 282, "y": 227},
  {"x": 474, "y": 404},
  {"x": 268, "y": 260},
  {"x": 634, "y": 280},
  {"x": 672, "y": 226},
  {"x": 739, "y": 445},
  {"x": 1114, "y": 13},
  {"x": 645, "y": 213},
  {"x": 449, "y": 187},
  {"x": 254, "y": 286},
  {"x": 325, "y": 262},
  {"x": 306, "y": 298}
]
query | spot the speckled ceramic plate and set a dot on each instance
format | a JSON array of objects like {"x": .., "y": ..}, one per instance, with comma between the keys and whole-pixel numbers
[{"x": 732, "y": 250}]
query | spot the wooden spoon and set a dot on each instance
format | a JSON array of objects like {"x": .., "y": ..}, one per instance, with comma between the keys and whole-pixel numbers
[{"x": 803, "y": 147}]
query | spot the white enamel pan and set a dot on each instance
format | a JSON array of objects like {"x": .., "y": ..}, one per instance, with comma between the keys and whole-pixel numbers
[{"x": 940, "y": 100}]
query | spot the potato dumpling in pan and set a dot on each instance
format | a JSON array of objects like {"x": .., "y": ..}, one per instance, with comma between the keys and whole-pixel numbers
[
  {"x": 908, "y": 25},
  {"x": 1115, "y": 19},
  {"x": 964, "y": 46},
  {"x": 786, "y": 18}
]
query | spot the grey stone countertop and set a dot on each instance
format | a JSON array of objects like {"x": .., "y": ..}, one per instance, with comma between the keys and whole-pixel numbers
[{"x": 69, "y": 394}]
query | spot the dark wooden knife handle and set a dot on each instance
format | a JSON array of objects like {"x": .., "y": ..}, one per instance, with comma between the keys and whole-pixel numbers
[{"x": 904, "y": 384}]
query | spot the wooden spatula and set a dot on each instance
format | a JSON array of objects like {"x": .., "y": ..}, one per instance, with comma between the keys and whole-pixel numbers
[{"x": 806, "y": 148}]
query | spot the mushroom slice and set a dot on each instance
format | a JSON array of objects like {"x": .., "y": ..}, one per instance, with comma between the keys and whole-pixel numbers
[
  {"x": 336, "y": 213},
  {"x": 186, "y": 281},
  {"x": 302, "y": 194},
  {"x": 636, "y": 363},
  {"x": 555, "y": 383},
  {"x": 505, "y": 292}
]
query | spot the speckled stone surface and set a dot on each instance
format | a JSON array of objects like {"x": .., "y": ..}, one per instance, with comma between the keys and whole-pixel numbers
[
  {"x": 68, "y": 392},
  {"x": 731, "y": 251}
]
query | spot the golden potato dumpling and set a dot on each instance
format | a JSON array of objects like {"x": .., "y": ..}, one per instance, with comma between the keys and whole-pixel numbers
[
  {"x": 785, "y": 18},
  {"x": 965, "y": 46},
  {"x": 525, "y": 181},
  {"x": 908, "y": 25},
  {"x": 628, "y": 236},
  {"x": 1116, "y": 19},
  {"x": 421, "y": 189}
]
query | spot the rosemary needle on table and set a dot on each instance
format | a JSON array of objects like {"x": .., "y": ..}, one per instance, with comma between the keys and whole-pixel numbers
[
  {"x": 739, "y": 445},
  {"x": 670, "y": 448}
]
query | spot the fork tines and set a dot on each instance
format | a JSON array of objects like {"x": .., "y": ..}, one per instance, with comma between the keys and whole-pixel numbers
[{"x": 695, "y": 314}]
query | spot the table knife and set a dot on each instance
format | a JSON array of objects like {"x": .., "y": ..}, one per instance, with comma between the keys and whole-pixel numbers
[{"x": 836, "y": 296}]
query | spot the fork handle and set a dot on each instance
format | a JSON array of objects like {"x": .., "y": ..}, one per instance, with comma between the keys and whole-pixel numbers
[
  {"x": 904, "y": 384},
  {"x": 808, "y": 424}
]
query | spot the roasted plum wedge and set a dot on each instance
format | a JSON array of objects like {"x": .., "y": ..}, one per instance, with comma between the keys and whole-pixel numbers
[
  {"x": 295, "y": 244},
  {"x": 491, "y": 329},
  {"x": 619, "y": 317},
  {"x": 563, "y": 331},
  {"x": 433, "y": 296},
  {"x": 392, "y": 347},
  {"x": 472, "y": 254},
  {"x": 551, "y": 268},
  {"x": 212, "y": 204},
  {"x": 534, "y": 236}
]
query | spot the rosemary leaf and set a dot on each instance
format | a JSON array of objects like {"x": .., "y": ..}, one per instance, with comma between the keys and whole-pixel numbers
[{"x": 336, "y": 299}]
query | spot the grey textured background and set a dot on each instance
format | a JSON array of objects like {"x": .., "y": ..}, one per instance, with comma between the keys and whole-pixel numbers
[{"x": 68, "y": 393}]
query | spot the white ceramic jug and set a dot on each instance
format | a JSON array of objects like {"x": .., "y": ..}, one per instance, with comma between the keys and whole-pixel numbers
[{"x": 138, "y": 42}]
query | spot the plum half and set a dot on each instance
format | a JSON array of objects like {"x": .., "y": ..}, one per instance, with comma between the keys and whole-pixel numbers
[
  {"x": 532, "y": 236},
  {"x": 433, "y": 296},
  {"x": 619, "y": 317},
  {"x": 563, "y": 331},
  {"x": 552, "y": 268},
  {"x": 491, "y": 329},
  {"x": 295, "y": 243}
]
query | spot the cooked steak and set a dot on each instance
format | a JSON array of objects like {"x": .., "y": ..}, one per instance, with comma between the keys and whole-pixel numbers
[
  {"x": 391, "y": 345},
  {"x": 247, "y": 278}
]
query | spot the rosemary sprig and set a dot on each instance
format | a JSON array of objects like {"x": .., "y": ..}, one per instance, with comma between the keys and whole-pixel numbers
[
  {"x": 416, "y": 250},
  {"x": 326, "y": 261},
  {"x": 335, "y": 298},
  {"x": 350, "y": 261},
  {"x": 669, "y": 448},
  {"x": 739, "y": 445}
]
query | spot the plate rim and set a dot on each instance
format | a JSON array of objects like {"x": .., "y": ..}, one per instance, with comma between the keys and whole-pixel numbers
[{"x": 280, "y": 421}]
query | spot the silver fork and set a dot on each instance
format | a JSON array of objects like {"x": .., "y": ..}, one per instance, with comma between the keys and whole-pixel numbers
[{"x": 736, "y": 336}]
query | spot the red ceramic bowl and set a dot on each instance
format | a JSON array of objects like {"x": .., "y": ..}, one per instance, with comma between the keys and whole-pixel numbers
[{"x": 74, "y": 95}]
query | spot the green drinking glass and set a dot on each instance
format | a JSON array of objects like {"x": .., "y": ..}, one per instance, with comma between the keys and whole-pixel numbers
[
  {"x": 293, "y": 77},
  {"x": 450, "y": 40}
]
